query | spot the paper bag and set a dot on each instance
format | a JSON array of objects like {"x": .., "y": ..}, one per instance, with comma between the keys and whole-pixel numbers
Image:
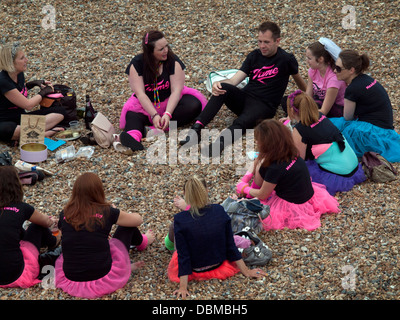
[
  {"x": 103, "y": 130},
  {"x": 33, "y": 128}
]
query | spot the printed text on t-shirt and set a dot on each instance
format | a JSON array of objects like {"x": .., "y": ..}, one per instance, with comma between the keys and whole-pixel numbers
[{"x": 265, "y": 72}]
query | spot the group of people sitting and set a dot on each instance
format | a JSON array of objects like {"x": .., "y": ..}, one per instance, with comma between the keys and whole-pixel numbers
[{"x": 334, "y": 118}]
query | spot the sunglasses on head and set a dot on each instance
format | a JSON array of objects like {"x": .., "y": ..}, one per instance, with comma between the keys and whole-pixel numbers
[{"x": 338, "y": 69}]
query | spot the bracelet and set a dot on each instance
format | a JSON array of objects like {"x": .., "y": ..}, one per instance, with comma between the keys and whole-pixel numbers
[
  {"x": 156, "y": 114},
  {"x": 245, "y": 186},
  {"x": 168, "y": 114}
]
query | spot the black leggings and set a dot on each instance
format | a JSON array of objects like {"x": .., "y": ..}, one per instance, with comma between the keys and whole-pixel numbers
[
  {"x": 128, "y": 236},
  {"x": 186, "y": 111},
  {"x": 39, "y": 236},
  {"x": 248, "y": 109}
]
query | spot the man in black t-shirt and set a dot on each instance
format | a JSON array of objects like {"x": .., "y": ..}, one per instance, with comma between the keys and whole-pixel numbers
[{"x": 268, "y": 68}]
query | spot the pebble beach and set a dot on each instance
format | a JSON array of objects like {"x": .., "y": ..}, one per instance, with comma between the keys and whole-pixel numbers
[{"x": 87, "y": 45}]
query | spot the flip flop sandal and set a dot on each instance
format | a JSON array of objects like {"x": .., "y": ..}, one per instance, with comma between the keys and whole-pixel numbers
[{"x": 28, "y": 178}]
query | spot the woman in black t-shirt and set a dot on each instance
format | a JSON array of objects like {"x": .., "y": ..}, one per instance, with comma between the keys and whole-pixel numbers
[
  {"x": 282, "y": 181},
  {"x": 14, "y": 99},
  {"x": 157, "y": 79},
  {"x": 368, "y": 116},
  {"x": 19, "y": 248},
  {"x": 91, "y": 265}
]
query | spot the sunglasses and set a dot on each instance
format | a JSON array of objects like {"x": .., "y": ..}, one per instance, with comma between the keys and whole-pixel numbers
[{"x": 338, "y": 69}]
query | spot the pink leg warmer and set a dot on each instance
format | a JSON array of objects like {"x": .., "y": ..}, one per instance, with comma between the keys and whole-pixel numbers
[
  {"x": 136, "y": 134},
  {"x": 143, "y": 245}
]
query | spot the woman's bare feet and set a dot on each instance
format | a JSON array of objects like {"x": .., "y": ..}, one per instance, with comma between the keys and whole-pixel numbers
[
  {"x": 150, "y": 237},
  {"x": 180, "y": 203},
  {"x": 137, "y": 265},
  {"x": 52, "y": 132}
]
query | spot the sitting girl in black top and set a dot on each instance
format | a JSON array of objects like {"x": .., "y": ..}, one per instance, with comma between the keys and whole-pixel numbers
[
  {"x": 91, "y": 265},
  {"x": 282, "y": 181},
  {"x": 19, "y": 249},
  {"x": 157, "y": 79},
  {"x": 367, "y": 121},
  {"x": 14, "y": 95},
  {"x": 330, "y": 159},
  {"x": 205, "y": 247}
]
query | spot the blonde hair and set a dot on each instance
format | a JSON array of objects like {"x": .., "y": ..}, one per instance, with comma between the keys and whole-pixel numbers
[
  {"x": 8, "y": 52},
  {"x": 305, "y": 107},
  {"x": 196, "y": 194}
]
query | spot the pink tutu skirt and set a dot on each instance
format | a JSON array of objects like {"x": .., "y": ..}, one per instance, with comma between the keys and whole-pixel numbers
[
  {"x": 114, "y": 280},
  {"x": 284, "y": 214},
  {"x": 225, "y": 270},
  {"x": 28, "y": 278},
  {"x": 133, "y": 104}
]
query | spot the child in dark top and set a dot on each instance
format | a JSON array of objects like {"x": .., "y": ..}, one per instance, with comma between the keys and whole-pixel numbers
[
  {"x": 91, "y": 265},
  {"x": 157, "y": 79},
  {"x": 19, "y": 248},
  {"x": 205, "y": 247},
  {"x": 330, "y": 159},
  {"x": 367, "y": 121},
  {"x": 282, "y": 181}
]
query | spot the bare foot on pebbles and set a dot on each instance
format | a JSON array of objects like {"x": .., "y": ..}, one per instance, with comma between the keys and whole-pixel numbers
[{"x": 137, "y": 265}]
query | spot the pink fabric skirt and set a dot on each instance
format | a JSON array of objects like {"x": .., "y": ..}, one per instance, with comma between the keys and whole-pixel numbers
[
  {"x": 28, "y": 278},
  {"x": 114, "y": 280},
  {"x": 284, "y": 214},
  {"x": 133, "y": 104},
  {"x": 225, "y": 270}
]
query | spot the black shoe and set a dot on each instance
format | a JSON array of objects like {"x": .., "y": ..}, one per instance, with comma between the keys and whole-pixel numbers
[
  {"x": 193, "y": 136},
  {"x": 128, "y": 141},
  {"x": 214, "y": 149},
  {"x": 48, "y": 259}
]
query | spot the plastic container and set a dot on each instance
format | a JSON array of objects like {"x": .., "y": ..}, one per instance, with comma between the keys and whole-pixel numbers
[{"x": 33, "y": 152}]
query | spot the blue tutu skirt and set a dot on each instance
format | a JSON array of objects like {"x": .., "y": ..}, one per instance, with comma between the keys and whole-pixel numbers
[
  {"x": 364, "y": 136},
  {"x": 334, "y": 182}
]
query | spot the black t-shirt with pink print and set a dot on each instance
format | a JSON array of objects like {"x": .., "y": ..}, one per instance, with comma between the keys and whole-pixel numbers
[
  {"x": 163, "y": 80},
  {"x": 269, "y": 76},
  {"x": 86, "y": 253},
  {"x": 292, "y": 179},
  {"x": 9, "y": 111},
  {"x": 12, "y": 218}
]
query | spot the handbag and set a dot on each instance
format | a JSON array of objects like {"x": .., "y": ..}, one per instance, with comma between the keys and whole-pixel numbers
[
  {"x": 246, "y": 213},
  {"x": 67, "y": 100},
  {"x": 102, "y": 130},
  {"x": 33, "y": 128},
  {"x": 257, "y": 253},
  {"x": 377, "y": 168},
  {"x": 223, "y": 75}
]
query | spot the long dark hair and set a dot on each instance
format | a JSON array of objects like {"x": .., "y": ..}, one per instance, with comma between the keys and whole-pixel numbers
[
  {"x": 150, "y": 66},
  {"x": 87, "y": 205},
  {"x": 275, "y": 142},
  {"x": 11, "y": 190}
]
